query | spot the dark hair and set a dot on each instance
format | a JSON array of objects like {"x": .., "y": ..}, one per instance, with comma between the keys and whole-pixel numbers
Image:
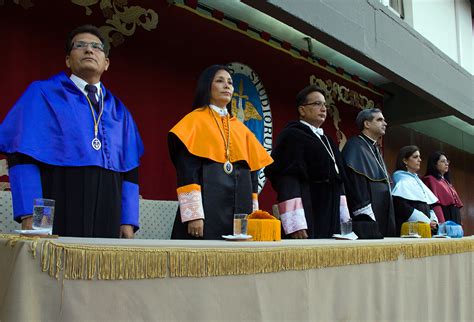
[
  {"x": 87, "y": 29},
  {"x": 365, "y": 115},
  {"x": 202, "y": 96},
  {"x": 405, "y": 153},
  {"x": 431, "y": 167},
  {"x": 303, "y": 94}
]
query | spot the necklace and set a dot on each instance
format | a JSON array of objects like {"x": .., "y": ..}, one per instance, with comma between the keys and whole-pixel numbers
[
  {"x": 382, "y": 166},
  {"x": 228, "y": 167},
  {"x": 96, "y": 144},
  {"x": 330, "y": 152}
]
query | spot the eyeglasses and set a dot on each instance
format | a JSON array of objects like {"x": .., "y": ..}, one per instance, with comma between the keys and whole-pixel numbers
[
  {"x": 444, "y": 161},
  {"x": 95, "y": 46},
  {"x": 316, "y": 103}
]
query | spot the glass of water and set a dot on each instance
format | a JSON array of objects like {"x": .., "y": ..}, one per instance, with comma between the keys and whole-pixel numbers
[
  {"x": 240, "y": 224},
  {"x": 43, "y": 214},
  {"x": 412, "y": 228},
  {"x": 346, "y": 227},
  {"x": 442, "y": 229}
]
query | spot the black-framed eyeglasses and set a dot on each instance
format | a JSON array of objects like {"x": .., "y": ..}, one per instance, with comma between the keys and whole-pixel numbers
[
  {"x": 96, "y": 46},
  {"x": 316, "y": 103}
]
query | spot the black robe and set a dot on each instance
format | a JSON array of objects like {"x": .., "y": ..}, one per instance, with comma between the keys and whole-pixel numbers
[
  {"x": 223, "y": 195},
  {"x": 404, "y": 208},
  {"x": 368, "y": 182},
  {"x": 88, "y": 199},
  {"x": 303, "y": 169}
]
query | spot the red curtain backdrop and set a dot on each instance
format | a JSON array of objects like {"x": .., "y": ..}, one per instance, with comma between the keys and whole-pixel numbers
[{"x": 154, "y": 73}]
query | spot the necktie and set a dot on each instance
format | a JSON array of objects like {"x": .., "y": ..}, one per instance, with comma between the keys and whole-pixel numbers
[
  {"x": 91, "y": 94},
  {"x": 319, "y": 131}
]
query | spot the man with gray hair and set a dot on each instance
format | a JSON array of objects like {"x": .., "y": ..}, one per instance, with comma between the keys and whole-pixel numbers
[{"x": 368, "y": 194}]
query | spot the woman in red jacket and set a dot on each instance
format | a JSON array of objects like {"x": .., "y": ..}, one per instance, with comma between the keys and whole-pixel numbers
[{"x": 437, "y": 179}]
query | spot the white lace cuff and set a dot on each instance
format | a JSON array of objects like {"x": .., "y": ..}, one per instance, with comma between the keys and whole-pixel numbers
[
  {"x": 433, "y": 216},
  {"x": 190, "y": 202},
  {"x": 367, "y": 210},
  {"x": 344, "y": 215},
  {"x": 292, "y": 215}
]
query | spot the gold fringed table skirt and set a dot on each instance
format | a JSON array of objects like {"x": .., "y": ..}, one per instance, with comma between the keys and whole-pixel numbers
[
  {"x": 109, "y": 259},
  {"x": 292, "y": 280}
]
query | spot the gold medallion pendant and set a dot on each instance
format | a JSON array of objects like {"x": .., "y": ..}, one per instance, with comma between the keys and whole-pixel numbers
[
  {"x": 96, "y": 144},
  {"x": 228, "y": 167}
]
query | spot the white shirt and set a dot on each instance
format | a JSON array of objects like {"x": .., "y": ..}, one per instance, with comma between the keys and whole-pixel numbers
[
  {"x": 316, "y": 130},
  {"x": 220, "y": 111},
  {"x": 81, "y": 84}
]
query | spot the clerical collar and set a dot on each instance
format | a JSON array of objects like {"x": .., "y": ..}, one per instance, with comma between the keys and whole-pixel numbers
[
  {"x": 316, "y": 130},
  {"x": 220, "y": 111},
  {"x": 368, "y": 139},
  {"x": 81, "y": 84}
]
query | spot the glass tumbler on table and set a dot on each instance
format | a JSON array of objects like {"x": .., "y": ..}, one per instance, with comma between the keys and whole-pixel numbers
[
  {"x": 240, "y": 224},
  {"x": 43, "y": 214}
]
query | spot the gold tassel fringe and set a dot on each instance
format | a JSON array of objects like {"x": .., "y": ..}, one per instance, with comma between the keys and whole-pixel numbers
[
  {"x": 244, "y": 261},
  {"x": 103, "y": 262},
  {"x": 121, "y": 263}
]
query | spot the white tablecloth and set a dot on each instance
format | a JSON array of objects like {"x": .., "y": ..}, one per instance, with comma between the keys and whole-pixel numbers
[{"x": 434, "y": 288}]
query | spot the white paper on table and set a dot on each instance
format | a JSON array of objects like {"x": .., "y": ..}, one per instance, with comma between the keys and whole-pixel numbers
[{"x": 351, "y": 236}]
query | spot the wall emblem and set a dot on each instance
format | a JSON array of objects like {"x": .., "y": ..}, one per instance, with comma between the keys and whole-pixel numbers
[{"x": 251, "y": 106}]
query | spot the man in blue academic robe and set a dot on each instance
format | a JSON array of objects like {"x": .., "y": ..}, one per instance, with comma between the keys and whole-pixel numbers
[{"x": 70, "y": 139}]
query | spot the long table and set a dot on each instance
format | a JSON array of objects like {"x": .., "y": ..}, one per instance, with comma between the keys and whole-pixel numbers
[{"x": 78, "y": 279}]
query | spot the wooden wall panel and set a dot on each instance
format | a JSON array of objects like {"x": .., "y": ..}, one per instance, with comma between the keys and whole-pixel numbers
[{"x": 461, "y": 167}]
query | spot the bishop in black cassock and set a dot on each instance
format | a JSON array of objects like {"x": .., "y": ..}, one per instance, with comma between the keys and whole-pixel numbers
[{"x": 368, "y": 191}]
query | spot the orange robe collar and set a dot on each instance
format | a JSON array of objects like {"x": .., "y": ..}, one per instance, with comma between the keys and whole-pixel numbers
[{"x": 199, "y": 133}]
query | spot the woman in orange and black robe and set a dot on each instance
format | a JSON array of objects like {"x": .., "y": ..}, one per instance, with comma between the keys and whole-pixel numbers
[{"x": 208, "y": 195}]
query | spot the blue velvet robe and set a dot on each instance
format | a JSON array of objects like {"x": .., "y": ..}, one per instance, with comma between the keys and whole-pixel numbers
[{"x": 47, "y": 135}]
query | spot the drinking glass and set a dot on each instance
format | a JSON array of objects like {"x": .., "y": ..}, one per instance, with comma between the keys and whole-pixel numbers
[
  {"x": 442, "y": 229},
  {"x": 240, "y": 224},
  {"x": 346, "y": 227},
  {"x": 412, "y": 228},
  {"x": 43, "y": 214}
]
